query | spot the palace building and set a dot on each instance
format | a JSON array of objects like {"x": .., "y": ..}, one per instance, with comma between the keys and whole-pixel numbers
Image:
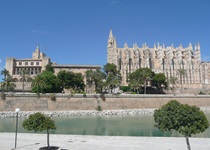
[
  {"x": 36, "y": 65},
  {"x": 161, "y": 59}
]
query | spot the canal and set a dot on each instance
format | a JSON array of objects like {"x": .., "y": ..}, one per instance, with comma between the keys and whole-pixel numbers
[{"x": 101, "y": 125}]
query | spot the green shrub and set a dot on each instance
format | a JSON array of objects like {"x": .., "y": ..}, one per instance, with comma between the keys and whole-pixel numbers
[
  {"x": 201, "y": 93},
  {"x": 125, "y": 88},
  {"x": 84, "y": 95},
  {"x": 133, "y": 93},
  {"x": 99, "y": 108}
]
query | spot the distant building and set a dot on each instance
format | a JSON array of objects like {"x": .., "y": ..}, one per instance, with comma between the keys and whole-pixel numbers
[
  {"x": 161, "y": 59},
  {"x": 33, "y": 66},
  {"x": 36, "y": 65}
]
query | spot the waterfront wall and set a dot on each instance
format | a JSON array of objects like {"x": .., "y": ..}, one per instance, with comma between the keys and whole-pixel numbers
[{"x": 66, "y": 102}]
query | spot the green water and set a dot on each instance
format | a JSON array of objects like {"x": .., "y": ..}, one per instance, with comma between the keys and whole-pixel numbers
[{"x": 103, "y": 126}]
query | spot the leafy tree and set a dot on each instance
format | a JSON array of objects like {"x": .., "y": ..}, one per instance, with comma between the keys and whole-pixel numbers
[
  {"x": 89, "y": 74},
  {"x": 39, "y": 122},
  {"x": 7, "y": 84},
  {"x": 173, "y": 81},
  {"x": 96, "y": 78},
  {"x": 113, "y": 76},
  {"x": 185, "y": 119},
  {"x": 38, "y": 84},
  {"x": 134, "y": 86},
  {"x": 110, "y": 69},
  {"x": 5, "y": 72},
  {"x": 99, "y": 79},
  {"x": 159, "y": 79},
  {"x": 49, "y": 68},
  {"x": 125, "y": 88},
  {"x": 141, "y": 77},
  {"x": 71, "y": 80},
  {"x": 109, "y": 77},
  {"x": 52, "y": 83},
  {"x": 24, "y": 76},
  {"x": 182, "y": 72}
]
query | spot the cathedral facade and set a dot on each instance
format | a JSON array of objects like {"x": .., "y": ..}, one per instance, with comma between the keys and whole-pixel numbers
[{"x": 160, "y": 59}]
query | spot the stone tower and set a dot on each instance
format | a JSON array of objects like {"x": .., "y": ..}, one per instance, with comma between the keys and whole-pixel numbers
[{"x": 112, "y": 49}]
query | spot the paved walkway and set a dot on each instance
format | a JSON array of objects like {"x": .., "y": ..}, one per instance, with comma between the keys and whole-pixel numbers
[{"x": 80, "y": 142}]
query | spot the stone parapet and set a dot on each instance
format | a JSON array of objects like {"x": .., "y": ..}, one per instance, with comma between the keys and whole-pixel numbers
[{"x": 90, "y": 102}]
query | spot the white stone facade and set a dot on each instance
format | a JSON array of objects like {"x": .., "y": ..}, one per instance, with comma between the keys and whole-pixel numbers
[
  {"x": 160, "y": 59},
  {"x": 36, "y": 65}
]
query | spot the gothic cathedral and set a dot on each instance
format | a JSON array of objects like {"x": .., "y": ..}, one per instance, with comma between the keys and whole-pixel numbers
[{"x": 160, "y": 59}]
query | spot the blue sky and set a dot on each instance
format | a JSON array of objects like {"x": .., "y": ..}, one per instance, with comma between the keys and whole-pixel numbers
[{"x": 76, "y": 31}]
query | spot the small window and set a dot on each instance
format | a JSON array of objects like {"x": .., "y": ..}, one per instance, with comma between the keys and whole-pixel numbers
[
  {"x": 26, "y": 63},
  {"x": 32, "y": 63},
  {"x": 37, "y": 63},
  {"x": 20, "y": 63}
]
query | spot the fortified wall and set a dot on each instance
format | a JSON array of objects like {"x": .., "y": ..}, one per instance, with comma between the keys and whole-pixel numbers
[{"x": 65, "y": 102}]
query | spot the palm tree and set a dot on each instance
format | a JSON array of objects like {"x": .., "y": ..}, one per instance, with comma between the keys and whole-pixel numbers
[
  {"x": 5, "y": 72},
  {"x": 38, "y": 83},
  {"x": 89, "y": 78},
  {"x": 24, "y": 76},
  {"x": 7, "y": 85},
  {"x": 134, "y": 86},
  {"x": 146, "y": 76},
  {"x": 113, "y": 81},
  {"x": 173, "y": 81},
  {"x": 182, "y": 72}
]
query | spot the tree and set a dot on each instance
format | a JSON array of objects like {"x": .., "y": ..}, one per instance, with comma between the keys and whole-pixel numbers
[
  {"x": 24, "y": 76},
  {"x": 182, "y": 72},
  {"x": 49, "y": 67},
  {"x": 97, "y": 78},
  {"x": 159, "y": 79},
  {"x": 7, "y": 84},
  {"x": 110, "y": 69},
  {"x": 52, "y": 83},
  {"x": 173, "y": 81},
  {"x": 71, "y": 80},
  {"x": 38, "y": 84},
  {"x": 112, "y": 76},
  {"x": 5, "y": 72},
  {"x": 141, "y": 77},
  {"x": 185, "y": 119},
  {"x": 39, "y": 122}
]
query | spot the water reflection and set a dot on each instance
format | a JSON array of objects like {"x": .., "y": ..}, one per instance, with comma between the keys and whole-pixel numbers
[{"x": 103, "y": 126}]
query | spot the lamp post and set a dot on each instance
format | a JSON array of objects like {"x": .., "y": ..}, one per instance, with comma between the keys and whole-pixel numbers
[{"x": 17, "y": 110}]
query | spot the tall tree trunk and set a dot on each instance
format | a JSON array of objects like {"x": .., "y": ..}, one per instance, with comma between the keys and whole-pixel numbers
[
  {"x": 48, "y": 141},
  {"x": 145, "y": 87},
  {"x": 188, "y": 143},
  {"x": 23, "y": 85},
  {"x": 181, "y": 84}
]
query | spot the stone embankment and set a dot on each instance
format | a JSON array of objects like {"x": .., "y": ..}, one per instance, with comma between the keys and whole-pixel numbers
[
  {"x": 86, "y": 113},
  {"x": 87, "y": 105},
  {"x": 80, "y": 113}
]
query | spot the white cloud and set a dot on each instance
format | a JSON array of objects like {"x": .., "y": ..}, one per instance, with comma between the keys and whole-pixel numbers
[{"x": 0, "y": 60}]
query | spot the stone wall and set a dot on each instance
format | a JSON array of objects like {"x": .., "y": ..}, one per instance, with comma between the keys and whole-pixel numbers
[{"x": 30, "y": 102}]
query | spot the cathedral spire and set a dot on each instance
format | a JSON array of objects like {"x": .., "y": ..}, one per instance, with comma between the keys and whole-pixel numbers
[
  {"x": 111, "y": 40},
  {"x": 111, "y": 34}
]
